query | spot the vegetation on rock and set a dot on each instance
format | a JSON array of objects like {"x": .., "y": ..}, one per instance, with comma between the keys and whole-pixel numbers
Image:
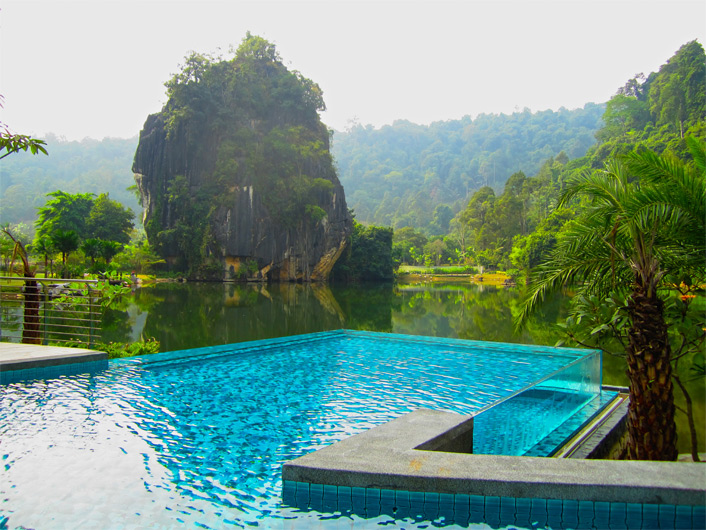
[
  {"x": 237, "y": 167},
  {"x": 368, "y": 256}
]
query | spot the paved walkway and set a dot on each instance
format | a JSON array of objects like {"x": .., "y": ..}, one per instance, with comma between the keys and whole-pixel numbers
[{"x": 24, "y": 356}]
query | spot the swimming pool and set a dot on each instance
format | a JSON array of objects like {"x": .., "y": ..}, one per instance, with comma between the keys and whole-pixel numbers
[{"x": 198, "y": 437}]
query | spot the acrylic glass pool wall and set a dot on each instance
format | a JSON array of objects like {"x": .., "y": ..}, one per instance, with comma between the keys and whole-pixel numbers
[{"x": 517, "y": 424}]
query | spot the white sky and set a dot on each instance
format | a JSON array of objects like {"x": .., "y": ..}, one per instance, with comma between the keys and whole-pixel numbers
[{"x": 97, "y": 68}]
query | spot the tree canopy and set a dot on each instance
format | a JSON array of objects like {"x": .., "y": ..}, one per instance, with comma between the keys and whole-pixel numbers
[
  {"x": 368, "y": 257},
  {"x": 88, "y": 166},
  {"x": 399, "y": 174}
]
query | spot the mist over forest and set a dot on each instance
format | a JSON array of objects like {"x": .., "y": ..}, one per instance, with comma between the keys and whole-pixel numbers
[
  {"x": 88, "y": 166},
  {"x": 393, "y": 175}
]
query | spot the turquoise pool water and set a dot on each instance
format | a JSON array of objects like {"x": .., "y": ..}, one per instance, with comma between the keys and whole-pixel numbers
[{"x": 198, "y": 437}]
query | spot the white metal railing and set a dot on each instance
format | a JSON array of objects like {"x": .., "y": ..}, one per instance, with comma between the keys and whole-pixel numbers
[{"x": 49, "y": 310}]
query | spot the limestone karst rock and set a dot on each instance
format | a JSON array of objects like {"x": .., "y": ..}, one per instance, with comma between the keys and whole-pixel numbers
[{"x": 235, "y": 172}]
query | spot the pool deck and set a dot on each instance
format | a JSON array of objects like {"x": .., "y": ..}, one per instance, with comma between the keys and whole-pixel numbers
[
  {"x": 28, "y": 356},
  {"x": 416, "y": 452}
]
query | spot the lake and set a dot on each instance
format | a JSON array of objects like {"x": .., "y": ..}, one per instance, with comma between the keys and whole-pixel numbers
[{"x": 191, "y": 315}]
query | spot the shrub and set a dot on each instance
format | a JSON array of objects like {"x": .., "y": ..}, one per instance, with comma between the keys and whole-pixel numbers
[{"x": 117, "y": 350}]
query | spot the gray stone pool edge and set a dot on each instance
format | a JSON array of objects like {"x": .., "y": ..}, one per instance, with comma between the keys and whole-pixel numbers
[
  {"x": 34, "y": 356},
  {"x": 413, "y": 453}
]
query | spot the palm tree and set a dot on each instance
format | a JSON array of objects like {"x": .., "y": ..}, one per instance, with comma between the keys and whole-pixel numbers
[
  {"x": 43, "y": 247},
  {"x": 65, "y": 241},
  {"x": 645, "y": 221},
  {"x": 92, "y": 248},
  {"x": 109, "y": 249}
]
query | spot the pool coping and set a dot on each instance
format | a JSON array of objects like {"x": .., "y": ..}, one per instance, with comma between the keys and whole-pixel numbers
[
  {"x": 410, "y": 453},
  {"x": 15, "y": 356}
]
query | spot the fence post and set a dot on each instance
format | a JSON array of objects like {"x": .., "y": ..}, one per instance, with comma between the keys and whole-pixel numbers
[
  {"x": 45, "y": 340},
  {"x": 89, "y": 298}
]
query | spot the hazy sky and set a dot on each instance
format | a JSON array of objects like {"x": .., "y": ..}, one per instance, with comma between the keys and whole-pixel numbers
[{"x": 97, "y": 68}]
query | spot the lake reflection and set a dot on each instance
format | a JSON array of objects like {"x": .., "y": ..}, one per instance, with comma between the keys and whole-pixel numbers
[{"x": 191, "y": 315}]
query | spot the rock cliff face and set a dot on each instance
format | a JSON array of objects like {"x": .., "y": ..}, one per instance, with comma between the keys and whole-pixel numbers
[{"x": 236, "y": 176}]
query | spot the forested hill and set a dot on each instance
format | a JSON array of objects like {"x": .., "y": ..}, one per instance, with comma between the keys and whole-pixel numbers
[
  {"x": 400, "y": 174},
  {"x": 88, "y": 166}
]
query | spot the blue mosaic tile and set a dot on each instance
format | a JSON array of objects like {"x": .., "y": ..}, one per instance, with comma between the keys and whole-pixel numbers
[
  {"x": 387, "y": 497},
  {"x": 402, "y": 498},
  {"x": 523, "y": 509},
  {"x": 650, "y": 515},
  {"x": 431, "y": 498},
  {"x": 358, "y": 500},
  {"x": 358, "y": 493},
  {"x": 446, "y": 512},
  {"x": 416, "y": 498},
  {"x": 372, "y": 496},
  {"x": 492, "y": 510},
  {"x": 618, "y": 515},
  {"x": 344, "y": 491},
  {"x": 316, "y": 490},
  {"x": 586, "y": 514},
  {"x": 445, "y": 499},
  {"x": 507, "y": 507},
  {"x": 345, "y": 505},
  {"x": 682, "y": 518},
  {"x": 462, "y": 502},
  {"x": 477, "y": 509},
  {"x": 570, "y": 513},
  {"x": 601, "y": 512},
  {"x": 431, "y": 510}
]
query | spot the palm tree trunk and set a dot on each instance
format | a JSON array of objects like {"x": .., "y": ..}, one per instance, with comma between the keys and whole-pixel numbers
[{"x": 651, "y": 428}]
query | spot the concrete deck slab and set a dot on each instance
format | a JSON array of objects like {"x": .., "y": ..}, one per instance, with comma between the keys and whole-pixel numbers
[
  {"x": 388, "y": 457},
  {"x": 27, "y": 356}
]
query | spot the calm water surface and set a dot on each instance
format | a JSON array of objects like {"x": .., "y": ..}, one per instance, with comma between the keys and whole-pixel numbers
[{"x": 192, "y": 315}]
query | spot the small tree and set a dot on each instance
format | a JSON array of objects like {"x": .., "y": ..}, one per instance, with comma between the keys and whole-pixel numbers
[
  {"x": 66, "y": 242},
  {"x": 109, "y": 220},
  {"x": 109, "y": 249},
  {"x": 369, "y": 256},
  {"x": 44, "y": 247},
  {"x": 92, "y": 248},
  {"x": 65, "y": 212}
]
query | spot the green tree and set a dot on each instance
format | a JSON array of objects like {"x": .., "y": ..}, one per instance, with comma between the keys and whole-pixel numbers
[
  {"x": 624, "y": 114},
  {"x": 441, "y": 220},
  {"x": 92, "y": 249},
  {"x": 138, "y": 256},
  {"x": 109, "y": 249},
  {"x": 66, "y": 212},
  {"x": 43, "y": 247},
  {"x": 66, "y": 242},
  {"x": 405, "y": 239},
  {"x": 644, "y": 227},
  {"x": 369, "y": 256},
  {"x": 109, "y": 220},
  {"x": 677, "y": 93}
]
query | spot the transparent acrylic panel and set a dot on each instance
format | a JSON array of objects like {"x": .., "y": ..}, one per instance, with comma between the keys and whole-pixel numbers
[{"x": 515, "y": 425}]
